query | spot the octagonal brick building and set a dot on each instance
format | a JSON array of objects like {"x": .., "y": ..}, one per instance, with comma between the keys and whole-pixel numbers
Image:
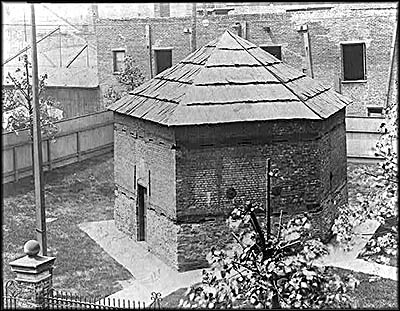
[{"x": 205, "y": 127}]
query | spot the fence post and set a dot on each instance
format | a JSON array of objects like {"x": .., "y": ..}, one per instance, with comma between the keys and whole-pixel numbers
[
  {"x": 34, "y": 276},
  {"x": 78, "y": 146},
  {"x": 15, "y": 164},
  {"x": 49, "y": 154}
]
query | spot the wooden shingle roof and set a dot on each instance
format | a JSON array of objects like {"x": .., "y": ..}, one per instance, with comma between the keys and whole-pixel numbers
[{"x": 230, "y": 80}]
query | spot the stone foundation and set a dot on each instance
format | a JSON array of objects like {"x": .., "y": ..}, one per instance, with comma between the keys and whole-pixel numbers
[{"x": 195, "y": 241}]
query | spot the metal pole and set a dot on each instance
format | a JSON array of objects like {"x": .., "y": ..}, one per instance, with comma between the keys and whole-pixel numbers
[
  {"x": 268, "y": 198},
  {"x": 149, "y": 46},
  {"x": 193, "y": 32},
  {"x": 37, "y": 148}
]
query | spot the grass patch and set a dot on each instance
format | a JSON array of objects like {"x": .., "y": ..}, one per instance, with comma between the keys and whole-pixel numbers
[
  {"x": 373, "y": 292},
  {"x": 368, "y": 252},
  {"x": 74, "y": 194},
  {"x": 83, "y": 192}
]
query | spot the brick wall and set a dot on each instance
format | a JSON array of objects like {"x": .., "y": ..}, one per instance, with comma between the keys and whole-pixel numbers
[
  {"x": 187, "y": 171},
  {"x": 143, "y": 155},
  {"x": 327, "y": 28},
  {"x": 210, "y": 160}
]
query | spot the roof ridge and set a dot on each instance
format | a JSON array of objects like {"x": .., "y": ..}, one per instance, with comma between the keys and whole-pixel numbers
[
  {"x": 277, "y": 77},
  {"x": 247, "y": 102}
]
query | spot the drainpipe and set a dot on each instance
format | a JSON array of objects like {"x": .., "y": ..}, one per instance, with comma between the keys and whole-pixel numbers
[{"x": 392, "y": 57}]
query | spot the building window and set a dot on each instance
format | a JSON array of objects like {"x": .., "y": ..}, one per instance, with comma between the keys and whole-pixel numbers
[
  {"x": 274, "y": 50},
  {"x": 118, "y": 60},
  {"x": 353, "y": 55},
  {"x": 163, "y": 59},
  {"x": 375, "y": 111}
]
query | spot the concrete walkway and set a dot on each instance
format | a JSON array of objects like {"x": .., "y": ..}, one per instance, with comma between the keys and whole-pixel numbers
[
  {"x": 338, "y": 257},
  {"x": 150, "y": 274}
]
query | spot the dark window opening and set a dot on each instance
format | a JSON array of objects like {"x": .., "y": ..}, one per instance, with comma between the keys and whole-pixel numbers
[
  {"x": 274, "y": 50},
  {"x": 375, "y": 111},
  {"x": 141, "y": 213},
  {"x": 353, "y": 61},
  {"x": 163, "y": 60},
  {"x": 118, "y": 60}
]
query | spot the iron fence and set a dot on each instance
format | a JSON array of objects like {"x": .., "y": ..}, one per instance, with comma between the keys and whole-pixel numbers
[{"x": 55, "y": 299}]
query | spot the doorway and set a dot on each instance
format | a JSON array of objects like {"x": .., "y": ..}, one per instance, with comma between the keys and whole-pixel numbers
[{"x": 141, "y": 213}]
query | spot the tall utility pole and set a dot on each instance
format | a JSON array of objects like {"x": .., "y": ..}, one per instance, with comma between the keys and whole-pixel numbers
[
  {"x": 37, "y": 147},
  {"x": 193, "y": 43}
]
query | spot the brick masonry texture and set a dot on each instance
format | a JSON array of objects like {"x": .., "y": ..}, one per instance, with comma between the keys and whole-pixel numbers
[
  {"x": 310, "y": 157},
  {"x": 143, "y": 155},
  {"x": 327, "y": 29},
  {"x": 192, "y": 167}
]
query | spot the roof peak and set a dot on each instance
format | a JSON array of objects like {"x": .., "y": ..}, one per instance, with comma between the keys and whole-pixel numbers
[{"x": 230, "y": 79}]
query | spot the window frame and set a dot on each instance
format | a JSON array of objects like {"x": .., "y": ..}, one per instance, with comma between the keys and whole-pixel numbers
[
  {"x": 155, "y": 50},
  {"x": 114, "y": 59},
  {"x": 375, "y": 111},
  {"x": 364, "y": 53}
]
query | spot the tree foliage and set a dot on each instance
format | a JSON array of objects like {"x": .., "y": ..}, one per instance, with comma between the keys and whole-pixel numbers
[
  {"x": 130, "y": 78},
  {"x": 17, "y": 102},
  {"x": 378, "y": 205},
  {"x": 269, "y": 271}
]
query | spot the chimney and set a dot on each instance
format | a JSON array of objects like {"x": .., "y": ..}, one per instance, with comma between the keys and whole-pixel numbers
[{"x": 162, "y": 9}]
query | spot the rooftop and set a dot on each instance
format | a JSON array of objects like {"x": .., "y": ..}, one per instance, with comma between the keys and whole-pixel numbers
[{"x": 230, "y": 80}]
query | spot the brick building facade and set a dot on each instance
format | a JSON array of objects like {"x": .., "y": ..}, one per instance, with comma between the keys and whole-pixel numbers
[
  {"x": 368, "y": 27},
  {"x": 206, "y": 126}
]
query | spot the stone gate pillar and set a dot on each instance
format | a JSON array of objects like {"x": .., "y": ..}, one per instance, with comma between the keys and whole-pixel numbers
[{"x": 34, "y": 276}]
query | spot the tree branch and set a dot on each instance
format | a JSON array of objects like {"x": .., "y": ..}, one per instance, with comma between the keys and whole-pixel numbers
[
  {"x": 238, "y": 240},
  {"x": 19, "y": 86},
  {"x": 376, "y": 176}
]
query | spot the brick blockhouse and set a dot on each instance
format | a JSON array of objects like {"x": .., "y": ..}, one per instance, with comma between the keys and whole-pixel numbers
[{"x": 206, "y": 126}]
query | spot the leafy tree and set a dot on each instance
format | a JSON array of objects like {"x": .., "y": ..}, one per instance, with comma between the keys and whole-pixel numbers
[
  {"x": 379, "y": 205},
  {"x": 17, "y": 102},
  {"x": 130, "y": 78},
  {"x": 269, "y": 272}
]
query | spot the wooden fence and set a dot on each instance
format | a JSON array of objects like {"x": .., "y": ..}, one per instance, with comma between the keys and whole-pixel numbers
[
  {"x": 362, "y": 134},
  {"x": 78, "y": 138},
  {"x": 91, "y": 135}
]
